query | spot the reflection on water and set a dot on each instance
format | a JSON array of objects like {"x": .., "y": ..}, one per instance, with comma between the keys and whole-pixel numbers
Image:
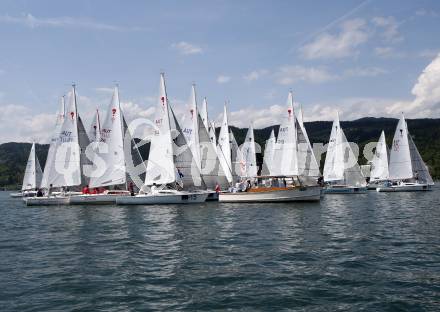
[{"x": 378, "y": 251}]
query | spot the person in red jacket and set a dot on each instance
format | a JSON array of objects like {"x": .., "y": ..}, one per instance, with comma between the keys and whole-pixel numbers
[{"x": 86, "y": 190}]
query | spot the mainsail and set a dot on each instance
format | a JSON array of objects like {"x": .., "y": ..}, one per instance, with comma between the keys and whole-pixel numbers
[
  {"x": 32, "y": 174},
  {"x": 379, "y": 163},
  {"x": 249, "y": 161},
  {"x": 49, "y": 166},
  {"x": 340, "y": 162},
  {"x": 211, "y": 170},
  {"x": 160, "y": 165},
  {"x": 187, "y": 168},
  {"x": 111, "y": 147},
  {"x": 190, "y": 127},
  {"x": 236, "y": 158},
  {"x": 286, "y": 146},
  {"x": 400, "y": 157},
  {"x": 65, "y": 166},
  {"x": 307, "y": 162},
  {"x": 204, "y": 113},
  {"x": 333, "y": 170},
  {"x": 224, "y": 147},
  {"x": 268, "y": 159}
]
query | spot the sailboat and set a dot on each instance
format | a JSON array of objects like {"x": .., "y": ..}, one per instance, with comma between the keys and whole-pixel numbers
[
  {"x": 32, "y": 176},
  {"x": 284, "y": 184},
  {"x": 342, "y": 173},
  {"x": 66, "y": 156},
  {"x": 172, "y": 175},
  {"x": 110, "y": 158},
  {"x": 379, "y": 173},
  {"x": 407, "y": 171}
]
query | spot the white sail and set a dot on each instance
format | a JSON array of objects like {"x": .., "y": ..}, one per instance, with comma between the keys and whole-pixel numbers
[
  {"x": 49, "y": 166},
  {"x": 237, "y": 159},
  {"x": 268, "y": 159},
  {"x": 111, "y": 148},
  {"x": 190, "y": 126},
  {"x": 285, "y": 156},
  {"x": 249, "y": 162},
  {"x": 352, "y": 172},
  {"x": 340, "y": 162},
  {"x": 160, "y": 165},
  {"x": 307, "y": 162},
  {"x": 334, "y": 169},
  {"x": 224, "y": 147},
  {"x": 204, "y": 113},
  {"x": 379, "y": 163},
  {"x": 186, "y": 167},
  {"x": 66, "y": 161},
  {"x": 32, "y": 174},
  {"x": 95, "y": 129},
  {"x": 420, "y": 170},
  {"x": 211, "y": 170},
  {"x": 400, "y": 167}
]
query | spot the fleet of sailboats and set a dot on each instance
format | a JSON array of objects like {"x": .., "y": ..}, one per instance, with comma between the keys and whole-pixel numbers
[{"x": 187, "y": 163}]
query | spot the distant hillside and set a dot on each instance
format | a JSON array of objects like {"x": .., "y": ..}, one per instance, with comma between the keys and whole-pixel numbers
[{"x": 425, "y": 132}]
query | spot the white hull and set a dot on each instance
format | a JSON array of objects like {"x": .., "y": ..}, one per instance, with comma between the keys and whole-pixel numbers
[
  {"x": 163, "y": 198},
  {"x": 106, "y": 198},
  {"x": 286, "y": 195},
  {"x": 405, "y": 188},
  {"x": 345, "y": 190},
  {"x": 46, "y": 201}
]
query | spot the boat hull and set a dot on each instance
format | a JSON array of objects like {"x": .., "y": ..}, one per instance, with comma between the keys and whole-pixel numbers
[
  {"x": 47, "y": 201},
  {"x": 93, "y": 199},
  {"x": 163, "y": 199},
  {"x": 282, "y": 195},
  {"x": 345, "y": 190},
  {"x": 405, "y": 188}
]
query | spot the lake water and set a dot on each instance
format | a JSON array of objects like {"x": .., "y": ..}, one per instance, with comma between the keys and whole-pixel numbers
[{"x": 376, "y": 252}]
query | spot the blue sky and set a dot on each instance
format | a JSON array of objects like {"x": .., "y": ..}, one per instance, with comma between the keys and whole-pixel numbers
[{"x": 362, "y": 58}]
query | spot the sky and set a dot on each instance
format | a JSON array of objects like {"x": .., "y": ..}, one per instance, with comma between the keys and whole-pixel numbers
[{"x": 358, "y": 58}]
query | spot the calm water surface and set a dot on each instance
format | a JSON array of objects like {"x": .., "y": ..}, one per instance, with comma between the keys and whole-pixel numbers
[{"x": 375, "y": 252}]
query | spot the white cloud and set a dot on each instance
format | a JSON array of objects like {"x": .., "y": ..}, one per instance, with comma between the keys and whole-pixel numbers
[
  {"x": 427, "y": 92},
  {"x": 186, "y": 48},
  {"x": 260, "y": 117},
  {"x": 388, "y": 28},
  {"x": 289, "y": 74},
  {"x": 20, "y": 124},
  {"x": 255, "y": 74},
  {"x": 223, "y": 79},
  {"x": 353, "y": 33},
  {"x": 31, "y": 21},
  {"x": 365, "y": 72}
]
